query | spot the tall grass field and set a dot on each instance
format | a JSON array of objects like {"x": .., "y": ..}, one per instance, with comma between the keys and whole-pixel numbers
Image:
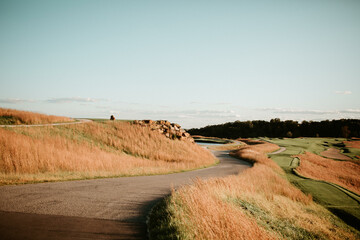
[
  {"x": 93, "y": 150},
  {"x": 16, "y": 117},
  {"x": 333, "y": 183},
  {"x": 259, "y": 203},
  {"x": 343, "y": 173}
]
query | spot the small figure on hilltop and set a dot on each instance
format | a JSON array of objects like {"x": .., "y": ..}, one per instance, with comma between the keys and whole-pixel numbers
[{"x": 112, "y": 118}]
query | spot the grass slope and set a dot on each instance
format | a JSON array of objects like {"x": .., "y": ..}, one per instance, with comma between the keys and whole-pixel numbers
[
  {"x": 16, "y": 117},
  {"x": 93, "y": 150},
  {"x": 340, "y": 202},
  {"x": 343, "y": 173},
  {"x": 257, "y": 204}
]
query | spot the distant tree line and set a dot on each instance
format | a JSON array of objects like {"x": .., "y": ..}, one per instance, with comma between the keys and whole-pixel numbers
[{"x": 275, "y": 128}]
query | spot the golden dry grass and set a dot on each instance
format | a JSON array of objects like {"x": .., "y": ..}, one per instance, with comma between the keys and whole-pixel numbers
[
  {"x": 259, "y": 146},
  {"x": 257, "y": 204},
  {"x": 227, "y": 147},
  {"x": 203, "y": 215},
  {"x": 254, "y": 151},
  {"x": 24, "y": 117},
  {"x": 92, "y": 150},
  {"x": 343, "y": 173}
]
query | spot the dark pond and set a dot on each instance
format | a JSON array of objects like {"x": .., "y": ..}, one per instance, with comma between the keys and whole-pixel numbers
[{"x": 209, "y": 144}]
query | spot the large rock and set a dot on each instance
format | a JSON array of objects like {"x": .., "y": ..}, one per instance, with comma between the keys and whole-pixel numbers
[
  {"x": 186, "y": 134},
  {"x": 149, "y": 121},
  {"x": 169, "y": 130}
]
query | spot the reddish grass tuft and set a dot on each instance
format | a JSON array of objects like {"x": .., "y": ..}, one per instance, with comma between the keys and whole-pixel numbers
[
  {"x": 92, "y": 150},
  {"x": 257, "y": 204},
  {"x": 343, "y": 173},
  {"x": 254, "y": 151},
  {"x": 201, "y": 214}
]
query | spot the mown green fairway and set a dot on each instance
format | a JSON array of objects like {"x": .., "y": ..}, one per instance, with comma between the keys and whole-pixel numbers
[{"x": 341, "y": 202}]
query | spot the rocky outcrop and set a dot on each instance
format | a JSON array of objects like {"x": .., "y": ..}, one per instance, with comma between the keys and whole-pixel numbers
[{"x": 170, "y": 130}]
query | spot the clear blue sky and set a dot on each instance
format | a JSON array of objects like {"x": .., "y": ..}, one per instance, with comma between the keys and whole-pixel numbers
[{"x": 191, "y": 62}]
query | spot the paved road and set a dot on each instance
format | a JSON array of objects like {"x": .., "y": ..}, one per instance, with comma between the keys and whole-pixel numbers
[
  {"x": 94, "y": 209},
  {"x": 278, "y": 151}
]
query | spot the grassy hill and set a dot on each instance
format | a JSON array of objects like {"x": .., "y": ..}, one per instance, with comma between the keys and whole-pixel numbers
[
  {"x": 259, "y": 203},
  {"x": 93, "y": 150},
  {"x": 16, "y": 117},
  {"x": 327, "y": 180}
]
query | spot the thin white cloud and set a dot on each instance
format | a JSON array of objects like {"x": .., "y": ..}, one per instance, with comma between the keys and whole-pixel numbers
[
  {"x": 15, "y": 100},
  {"x": 297, "y": 111},
  {"x": 314, "y": 112},
  {"x": 222, "y": 103},
  {"x": 207, "y": 113},
  {"x": 343, "y": 92},
  {"x": 159, "y": 114},
  {"x": 75, "y": 99},
  {"x": 310, "y": 112},
  {"x": 209, "y": 103},
  {"x": 356, "y": 111},
  {"x": 128, "y": 103}
]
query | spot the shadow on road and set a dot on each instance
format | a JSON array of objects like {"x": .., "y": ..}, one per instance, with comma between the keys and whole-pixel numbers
[{"x": 114, "y": 208}]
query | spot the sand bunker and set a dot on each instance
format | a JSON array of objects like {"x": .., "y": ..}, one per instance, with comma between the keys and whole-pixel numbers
[
  {"x": 352, "y": 144},
  {"x": 334, "y": 154}
]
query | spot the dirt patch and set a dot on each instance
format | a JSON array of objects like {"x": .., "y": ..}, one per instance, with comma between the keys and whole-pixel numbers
[{"x": 334, "y": 154}]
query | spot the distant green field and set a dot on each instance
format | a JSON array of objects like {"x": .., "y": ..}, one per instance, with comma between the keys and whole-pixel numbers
[{"x": 341, "y": 202}]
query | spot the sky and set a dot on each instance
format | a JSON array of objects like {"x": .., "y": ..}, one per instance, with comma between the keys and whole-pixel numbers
[{"x": 192, "y": 62}]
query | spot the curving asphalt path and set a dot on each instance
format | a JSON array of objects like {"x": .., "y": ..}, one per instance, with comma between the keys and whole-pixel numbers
[
  {"x": 94, "y": 209},
  {"x": 281, "y": 149}
]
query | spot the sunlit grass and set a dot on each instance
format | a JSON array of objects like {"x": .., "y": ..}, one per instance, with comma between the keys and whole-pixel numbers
[
  {"x": 16, "y": 117},
  {"x": 91, "y": 150},
  {"x": 343, "y": 173},
  {"x": 257, "y": 204}
]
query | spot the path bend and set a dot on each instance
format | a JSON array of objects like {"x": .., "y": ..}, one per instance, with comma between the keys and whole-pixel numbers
[
  {"x": 281, "y": 149},
  {"x": 112, "y": 208}
]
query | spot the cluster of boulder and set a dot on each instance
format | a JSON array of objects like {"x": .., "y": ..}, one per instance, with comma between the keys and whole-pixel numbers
[{"x": 170, "y": 130}]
